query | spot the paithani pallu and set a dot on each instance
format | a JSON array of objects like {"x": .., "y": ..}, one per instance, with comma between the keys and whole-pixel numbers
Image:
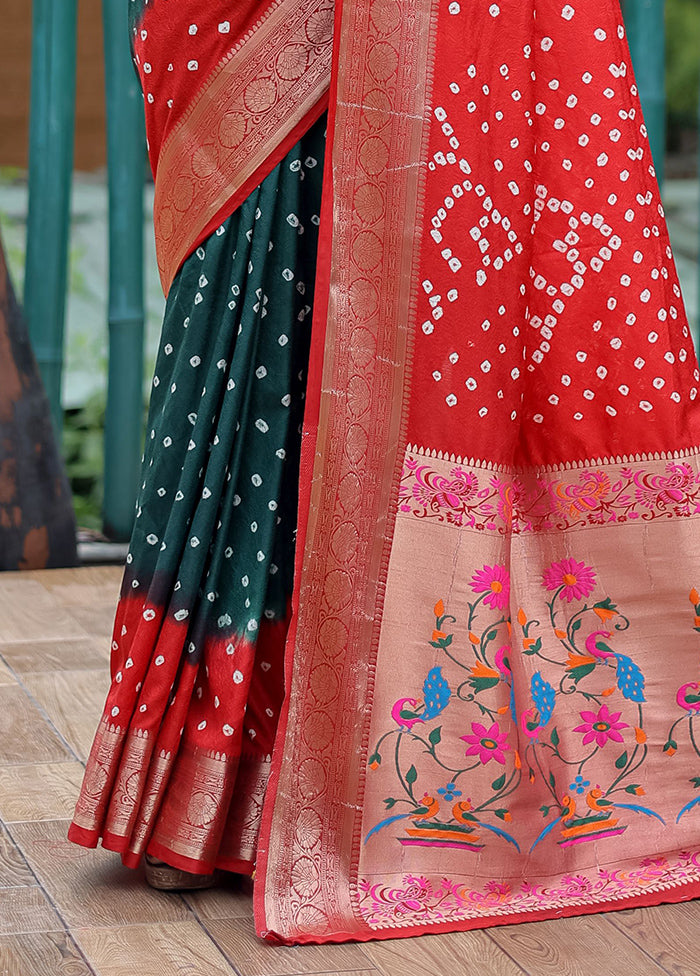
[
  {"x": 493, "y": 690},
  {"x": 491, "y": 674}
]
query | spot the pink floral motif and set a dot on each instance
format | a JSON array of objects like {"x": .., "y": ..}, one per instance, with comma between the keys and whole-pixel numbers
[
  {"x": 665, "y": 491},
  {"x": 575, "y": 579},
  {"x": 487, "y": 744},
  {"x": 500, "y": 890},
  {"x": 514, "y": 501},
  {"x": 435, "y": 491},
  {"x": 583, "y": 496},
  {"x": 576, "y": 884},
  {"x": 601, "y": 726},
  {"x": 385, "y": 906},
  {"x": 495, "y": 581}
]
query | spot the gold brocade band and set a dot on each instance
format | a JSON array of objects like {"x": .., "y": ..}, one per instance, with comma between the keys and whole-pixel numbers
[
  {"x": 377, "y": 148},
  {"x": 252, "y": 103}
]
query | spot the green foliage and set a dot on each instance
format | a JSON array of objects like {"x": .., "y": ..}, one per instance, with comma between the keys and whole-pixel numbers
[
  {"x": 83, "y": 446},
  {"x": 682, "y": 61}
]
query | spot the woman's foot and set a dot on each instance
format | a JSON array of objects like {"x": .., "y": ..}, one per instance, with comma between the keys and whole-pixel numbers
[{"x": 163, "y": 877}]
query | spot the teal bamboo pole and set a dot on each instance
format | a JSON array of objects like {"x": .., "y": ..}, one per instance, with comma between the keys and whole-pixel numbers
[
  {"x": 126, "y": 162},
  {"x": 644, "y": 21},
  {"x": 52, "y": 126}
]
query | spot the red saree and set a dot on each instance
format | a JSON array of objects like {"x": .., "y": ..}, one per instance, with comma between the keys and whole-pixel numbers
[
  {"x": 491, "y": 682},
  {"x": 493, "y": 658}
]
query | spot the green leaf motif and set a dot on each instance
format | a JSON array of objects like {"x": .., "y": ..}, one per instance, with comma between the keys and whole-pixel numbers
[
  {"x": 632, "y": 788},
  {"x": 552, "y": 781},
  {"x": 501, "y": 814},
  {"x": 555, "y": 737},
  {"x": 695, "y": 780},
  {"x": 581, "y": 671},
  {"x": 436, "y": 735},
  {"x": 576, "y": 625},
  {"x": 390, "y": 802},
  {"x": 621, "y": 761},
  {"x": 499, "y": 783},
  {"x": 483, "y": 684},
  {"x": 411, "y": 775},
  {"x": 545, "y": 811},
  {"x": 671, "y": 745}
]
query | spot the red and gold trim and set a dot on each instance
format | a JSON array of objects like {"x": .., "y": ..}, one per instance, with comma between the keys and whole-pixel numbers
[
  {"x": 364, "y": 309},
  {"x": 256, "y": 104}
]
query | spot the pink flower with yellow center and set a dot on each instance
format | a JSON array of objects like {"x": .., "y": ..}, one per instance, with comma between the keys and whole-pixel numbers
[
  {"x": 487, "y": 744},
  {"x": 601, "y": 726},
  {"x": 495, "y": 582},
  {"x": 575, "y": 579}
]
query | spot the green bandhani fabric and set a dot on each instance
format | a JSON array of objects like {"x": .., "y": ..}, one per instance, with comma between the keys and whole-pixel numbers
[{"x": 179, "y": 763}]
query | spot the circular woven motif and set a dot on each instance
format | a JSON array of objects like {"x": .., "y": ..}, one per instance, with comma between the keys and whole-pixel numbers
[
  {"x": 232, "y": 129},
  {"x": 319, "y": 27},
  {"x": 369, "y": 202},
  {"x": 374, "y": 155},
  {"x": 202, "y": 809},
  {"x": 292, "y": 61},
  {"x": 260, "y": 95}
]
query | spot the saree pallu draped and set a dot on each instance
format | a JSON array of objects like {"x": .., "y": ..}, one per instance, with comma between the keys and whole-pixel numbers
[
  {"x": 491, "y": 688},
  {"x": 497, "y": 608}
]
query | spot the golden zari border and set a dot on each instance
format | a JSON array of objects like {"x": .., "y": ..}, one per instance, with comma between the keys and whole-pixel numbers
[
  {"x": 261, "y": 91},
  {"x": 383, "y": 89}
]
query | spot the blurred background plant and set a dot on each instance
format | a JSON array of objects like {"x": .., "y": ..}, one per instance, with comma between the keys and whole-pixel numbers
[{"x": 682, "y": 75}]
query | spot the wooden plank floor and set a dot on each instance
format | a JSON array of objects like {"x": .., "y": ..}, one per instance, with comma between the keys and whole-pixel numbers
[{"x": 65, "y": 911}]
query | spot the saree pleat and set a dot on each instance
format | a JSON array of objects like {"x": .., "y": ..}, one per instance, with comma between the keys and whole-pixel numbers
[{"x": 203, "y": 613}]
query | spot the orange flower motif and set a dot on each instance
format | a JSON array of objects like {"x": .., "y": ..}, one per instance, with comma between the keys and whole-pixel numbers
[
  {"x": 694, "y": 596},
  {"x": 439, "y": 608},
  {"x": 528, "y": 642},
  {"x": 561, "y": 634},
  {"x": 439, "y": 635},
  {"x": 374, "y": 764},
  {"x": 507, "y": 817},
  {"x": 640, "y": 735},
  {"x": 531, "y": 776},
  {"x": 473, "y": 638},
  {"x": 608, "y": 692},
  {"x": 638, "y": 791},
  {"x": 697, "y": 621},
  {"x": 604, "y": 614},
  {"x": 522, "y": 617},
  {"x": 503, "y": 710},
  {"x": 670, "y": 751},
  {"x": 518, "y": 761},
  {"x": 577, "y": 660},
  {"x": 481, "y": 670}
]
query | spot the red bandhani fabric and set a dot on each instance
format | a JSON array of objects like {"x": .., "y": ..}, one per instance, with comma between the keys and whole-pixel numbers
[
  {"x": 492, "y": 699},
  {"x": 224, "y": 110}
]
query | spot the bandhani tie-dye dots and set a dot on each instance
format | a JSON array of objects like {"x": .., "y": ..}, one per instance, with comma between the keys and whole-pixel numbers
[
  {"x": 204, "y": 603},
  {"x": 545, "y": 240}
]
